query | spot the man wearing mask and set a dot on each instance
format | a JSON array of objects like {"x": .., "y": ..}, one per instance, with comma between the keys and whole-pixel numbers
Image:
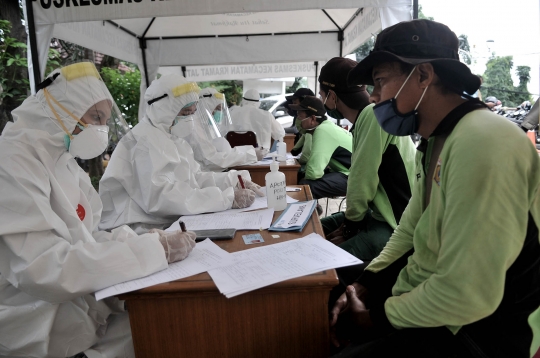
[
  {"x": 382, "y": 169},
  {"x": 460, "y": 275},
  {"x": 152, "y": 178},
  {"x": 52, "y": 256},
  {"x": 210, "y": 148},
  {"x": 249, "y": 117},
  {"x": 303, "y": 144},
  {"x": 330, "y": 159}
]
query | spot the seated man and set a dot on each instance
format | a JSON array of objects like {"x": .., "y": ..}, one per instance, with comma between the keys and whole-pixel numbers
[
  {"x": 303, "y": 140},
  {"x": 381, "y": 174},
  {"x": 460, "y": 275},
  {"x": 210, "y": 148},
  {"x": 152, "y": 178},
  {"x": 328, "y": 165},
  {"x": 249, "y": 117}
]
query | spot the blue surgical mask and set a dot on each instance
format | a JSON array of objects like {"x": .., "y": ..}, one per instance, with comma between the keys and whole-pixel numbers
[
  {"x": 394, "y": 122},
  {"x": 217, "y": 116},
  {"x": 334, "y": 113}
]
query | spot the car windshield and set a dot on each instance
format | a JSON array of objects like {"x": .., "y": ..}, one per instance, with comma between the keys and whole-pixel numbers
[{"x": 266, "y": 105}]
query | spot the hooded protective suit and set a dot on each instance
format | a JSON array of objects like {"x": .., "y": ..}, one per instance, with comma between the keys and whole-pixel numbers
[
  {"x": 52, "y": 258},
  {"x": 250, "y": 118},
  {"x": 152, "y": 178},
  {"x": 211, "y": 150}
]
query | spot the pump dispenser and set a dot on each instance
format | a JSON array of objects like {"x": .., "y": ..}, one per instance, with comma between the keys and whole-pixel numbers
[
  {"x": 276, "y": 189},
  {"x": 281, "y": 149}
]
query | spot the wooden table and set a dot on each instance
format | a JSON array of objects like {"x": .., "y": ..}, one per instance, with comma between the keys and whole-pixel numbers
[
  {"x": 190, "y": 318},
  {"x": 258, "y": 172}
]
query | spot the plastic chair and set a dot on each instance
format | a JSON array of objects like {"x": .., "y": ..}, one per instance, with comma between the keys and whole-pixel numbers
[{"x": 241, "y": 138}]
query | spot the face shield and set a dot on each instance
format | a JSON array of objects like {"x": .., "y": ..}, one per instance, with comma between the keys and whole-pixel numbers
[
  {"x": 78, "y": 102},
  {"x": 215, "y": 106}
]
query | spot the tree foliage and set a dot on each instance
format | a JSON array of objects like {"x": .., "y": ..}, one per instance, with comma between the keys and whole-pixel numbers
[
  {"x": 498, "y": 81},
  {"x": 421, "y": 14},
  {"x": 232, "y": 90},
  {"x": 465, "y": 49},
  {"x": 125, "y": 89}
]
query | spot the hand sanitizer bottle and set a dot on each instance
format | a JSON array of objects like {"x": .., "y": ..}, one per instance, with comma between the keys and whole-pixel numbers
[
  {"x": 281, "y": 150},
  {"x": 276, "y": 189}
]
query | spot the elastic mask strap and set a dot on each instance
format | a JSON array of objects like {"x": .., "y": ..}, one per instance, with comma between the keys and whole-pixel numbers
[
  {"x": 403, "y": 85},
  {"x": 49, "y": 97},
  {"x": 425, "y": 89}
]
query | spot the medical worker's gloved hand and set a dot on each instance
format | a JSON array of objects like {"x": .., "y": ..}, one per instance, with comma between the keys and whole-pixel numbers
[
  {"x": 177, "y": 244},
  {"x": 243, "y": 198},
  {"x": 255, "y": 187},
  {"x": 260, "y": 152}
]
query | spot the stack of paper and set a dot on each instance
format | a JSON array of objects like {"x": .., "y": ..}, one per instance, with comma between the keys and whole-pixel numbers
[
  {"x": 205, "y": 256},
  {"x": 266, "y": 265},
  {"x": 253, "y": 220}
]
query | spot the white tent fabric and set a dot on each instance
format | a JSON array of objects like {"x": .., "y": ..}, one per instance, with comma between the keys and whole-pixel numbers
[{"x": 208, "y": 32}]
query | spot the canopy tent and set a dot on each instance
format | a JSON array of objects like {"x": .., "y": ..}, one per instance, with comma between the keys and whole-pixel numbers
[{"x": 207, "y": 32}]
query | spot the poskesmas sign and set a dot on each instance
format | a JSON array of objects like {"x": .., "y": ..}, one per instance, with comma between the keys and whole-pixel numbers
[
  {"x": 46, "y": 4},
  {"x": 366, "y": 24}
]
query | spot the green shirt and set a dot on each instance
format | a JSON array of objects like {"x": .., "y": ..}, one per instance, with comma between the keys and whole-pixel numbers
[
  {"x": 471, "y": 232},
  {"x": 382, "y": 172},
  {"x": 331, "y": 147}
]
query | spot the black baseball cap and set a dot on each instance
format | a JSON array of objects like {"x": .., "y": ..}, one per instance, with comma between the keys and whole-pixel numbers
[
  {"x": 415, "y": 42},
  {"x": 334, "y": 77},
  {"x": 310, "y": 104},
  {"x": 300, "y": 94}
]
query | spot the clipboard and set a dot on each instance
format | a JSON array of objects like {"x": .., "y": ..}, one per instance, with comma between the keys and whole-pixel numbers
[{"x": 305, "y": 215}]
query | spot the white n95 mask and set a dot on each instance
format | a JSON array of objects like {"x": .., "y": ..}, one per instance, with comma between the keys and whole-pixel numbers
[
  {"x": 89, "y": 143},
  {"x": 184, "y": 126}
]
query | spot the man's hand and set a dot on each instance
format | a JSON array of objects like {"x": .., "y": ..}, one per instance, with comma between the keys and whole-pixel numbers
[
  {"x": 338, "y": 240},
  {"x": 337, "y": 232},
  {"x": 351, "y": 309}
]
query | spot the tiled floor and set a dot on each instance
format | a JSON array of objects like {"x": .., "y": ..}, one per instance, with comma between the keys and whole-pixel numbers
[{"x": 333, "y": 205}]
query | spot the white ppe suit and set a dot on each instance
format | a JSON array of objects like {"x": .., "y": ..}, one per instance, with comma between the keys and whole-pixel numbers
[
  {"x": 250, "y": 118},
  {"x": 152, "y": 178},
  {"x": 52, "y": 258},
  {"x": 211, "y": 150}
]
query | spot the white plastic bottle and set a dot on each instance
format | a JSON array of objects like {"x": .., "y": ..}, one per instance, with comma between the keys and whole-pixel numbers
[
  {"x": 276, "y": 189},
  {"x": 281, "y": 150}
]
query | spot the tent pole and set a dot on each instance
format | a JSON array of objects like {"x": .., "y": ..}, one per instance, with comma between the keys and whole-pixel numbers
[
  {"x": 316, "y": 63},
  {"x": 33, "y": 43},
  {"x": 184, "y": 71},
  {"x": 142, "y": 45},
  {"x": 415, "y": 9}
]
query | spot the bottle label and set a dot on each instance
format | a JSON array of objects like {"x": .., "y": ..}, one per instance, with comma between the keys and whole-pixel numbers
[{"x": 279, "y": 189}]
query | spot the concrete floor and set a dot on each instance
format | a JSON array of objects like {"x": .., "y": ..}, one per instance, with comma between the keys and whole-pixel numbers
[{"x": 333, "y": 205}]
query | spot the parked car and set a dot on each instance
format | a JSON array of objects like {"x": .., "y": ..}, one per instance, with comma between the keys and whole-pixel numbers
[{"x": 274, "y": 105}]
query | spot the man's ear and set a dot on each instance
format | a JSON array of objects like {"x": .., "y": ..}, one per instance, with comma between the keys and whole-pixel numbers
[{"x": 427, "y": 74}]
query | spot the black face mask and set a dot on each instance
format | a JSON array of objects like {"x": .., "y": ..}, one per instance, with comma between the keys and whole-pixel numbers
[{"x": 334, "y": 113}]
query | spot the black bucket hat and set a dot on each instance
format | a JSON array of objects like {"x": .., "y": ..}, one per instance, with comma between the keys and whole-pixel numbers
[
  {"x": 300, "y": 94},
  {"x": 415, "y": 42},
  {"x": 334, "y": 77}
]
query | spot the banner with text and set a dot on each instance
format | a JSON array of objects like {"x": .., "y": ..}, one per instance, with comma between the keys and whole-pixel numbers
[
  {"x": 246, "y": 71},
  {"x": 366, "y": 24}
]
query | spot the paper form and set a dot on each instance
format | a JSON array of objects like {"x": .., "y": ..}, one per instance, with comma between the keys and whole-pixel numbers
[
  {"x": 205, "y": 256},
  {"x": 252, "y": 220},
  {"x": 266, "y": 265},
  {"x": 259, "y": 203}
]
